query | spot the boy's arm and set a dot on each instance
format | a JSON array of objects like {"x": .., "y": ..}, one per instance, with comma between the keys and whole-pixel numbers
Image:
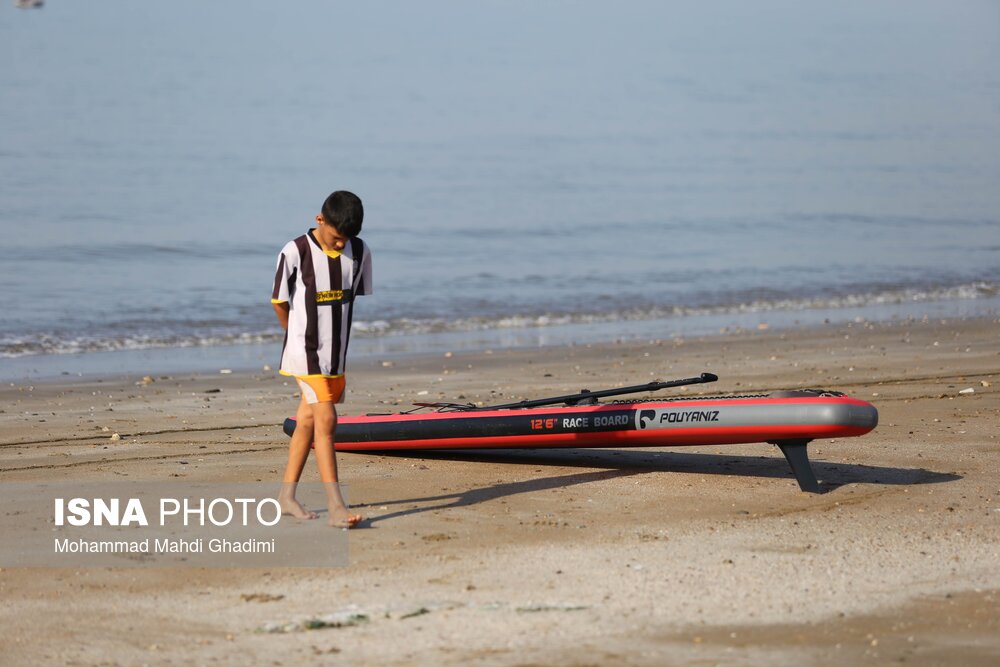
[
  {"x": 281, "y": 309},
  {"x": 281, "y": 293},
  {"x": 365, "y": 281}
]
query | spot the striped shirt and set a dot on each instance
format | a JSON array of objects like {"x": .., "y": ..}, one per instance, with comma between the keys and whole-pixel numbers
[{"x": 319, "y": 288}]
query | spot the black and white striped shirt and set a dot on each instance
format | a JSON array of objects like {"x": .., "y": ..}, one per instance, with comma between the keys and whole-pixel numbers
[{"x": 320, "y": 288}]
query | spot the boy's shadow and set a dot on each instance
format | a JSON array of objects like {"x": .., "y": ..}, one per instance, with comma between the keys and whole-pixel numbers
[
  {"x": 475, "y": 496},
  {"x": 619, "y": 463}
]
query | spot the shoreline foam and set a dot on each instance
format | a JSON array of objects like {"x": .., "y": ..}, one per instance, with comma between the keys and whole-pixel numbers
[{"x": 251, "y": 352}]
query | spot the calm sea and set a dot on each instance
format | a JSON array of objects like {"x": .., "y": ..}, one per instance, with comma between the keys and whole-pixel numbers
[{"x": 532, "y": 171}]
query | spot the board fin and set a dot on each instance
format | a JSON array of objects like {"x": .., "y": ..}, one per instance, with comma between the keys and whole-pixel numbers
[{"x": 798, "y": 458}]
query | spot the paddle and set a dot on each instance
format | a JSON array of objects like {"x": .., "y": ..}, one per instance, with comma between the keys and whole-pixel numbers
[{"x": 587, "y": 396}]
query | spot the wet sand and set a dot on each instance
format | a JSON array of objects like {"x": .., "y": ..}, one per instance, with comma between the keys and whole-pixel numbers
[{"x": 707, "y": 555}]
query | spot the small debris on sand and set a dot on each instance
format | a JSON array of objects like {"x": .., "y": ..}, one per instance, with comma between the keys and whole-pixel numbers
[
  {"x": 261, "y": 597},
  {"x": 341, "y": 619},
  {"x": 533, "y": 608},
  {"x": 436, "y": 537}
]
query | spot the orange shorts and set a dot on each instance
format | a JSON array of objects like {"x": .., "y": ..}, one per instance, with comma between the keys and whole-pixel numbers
[{"x": 319, "y": 389}]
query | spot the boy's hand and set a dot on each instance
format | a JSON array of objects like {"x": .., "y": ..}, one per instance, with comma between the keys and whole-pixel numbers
[{"x": 281, "y": 310}]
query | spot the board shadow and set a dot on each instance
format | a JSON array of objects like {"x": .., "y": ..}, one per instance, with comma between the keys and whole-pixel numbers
[{"x": 830, "y": 474}]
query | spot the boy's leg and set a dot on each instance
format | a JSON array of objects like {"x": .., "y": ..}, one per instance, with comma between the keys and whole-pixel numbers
[
  {"x": 298, "y": 452},
  {"x": 325, "y": 426}
]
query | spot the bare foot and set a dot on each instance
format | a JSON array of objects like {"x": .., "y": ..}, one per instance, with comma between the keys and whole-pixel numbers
[
  {"x": 292, "y": 507},
  {"x": 341, "y": 517}
]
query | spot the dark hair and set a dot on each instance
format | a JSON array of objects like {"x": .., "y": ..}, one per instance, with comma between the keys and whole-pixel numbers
[{"x": 344, "y": 211}]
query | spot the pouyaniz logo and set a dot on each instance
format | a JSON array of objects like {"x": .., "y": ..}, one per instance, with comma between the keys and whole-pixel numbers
[{"x": 646, "y": 419}]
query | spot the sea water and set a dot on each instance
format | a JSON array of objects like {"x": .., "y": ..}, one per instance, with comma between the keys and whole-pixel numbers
[{"x": 533, "y": 173}]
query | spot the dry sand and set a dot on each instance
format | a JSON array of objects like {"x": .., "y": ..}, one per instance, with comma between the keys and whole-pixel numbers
[{"x": 693, "y": 556}]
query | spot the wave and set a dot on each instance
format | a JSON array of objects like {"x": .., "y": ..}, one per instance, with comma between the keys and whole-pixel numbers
[
  {"x": 137, "y": 252},
  {"x": 209, "y": 333},
  {"x": 978, "y": 290}
]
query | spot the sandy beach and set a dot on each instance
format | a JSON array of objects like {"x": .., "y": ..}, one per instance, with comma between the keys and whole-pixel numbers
[{"x": 693, "y": 556}]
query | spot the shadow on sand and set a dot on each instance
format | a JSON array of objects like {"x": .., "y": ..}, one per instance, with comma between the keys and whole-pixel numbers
[
  {"x": 627, "y": 463},
  {"x": 502, "y": 490}
]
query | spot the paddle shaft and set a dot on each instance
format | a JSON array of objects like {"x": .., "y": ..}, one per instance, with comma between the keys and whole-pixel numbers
[{"x": 585, "y": 395}]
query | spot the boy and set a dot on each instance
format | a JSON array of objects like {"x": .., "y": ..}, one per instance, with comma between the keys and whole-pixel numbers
[{"x": 318, "y": 276}]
